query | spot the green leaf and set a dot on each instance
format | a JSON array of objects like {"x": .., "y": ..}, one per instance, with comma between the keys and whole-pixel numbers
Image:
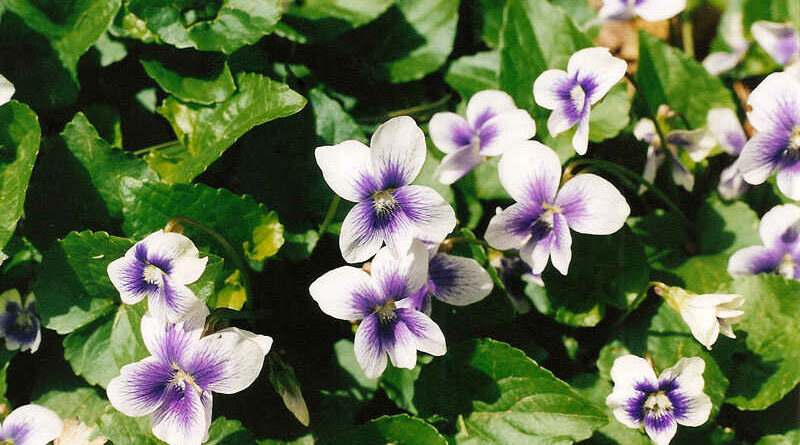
[
  {"x": 790, "y": 438},
  {"x": 726, "y": 227},
  {"x": 495, "y": 394},
  {"x": 668, "y": 76},
  {"x": 19, "y": 145},
  {"x": 215, "y": 86},
  {"x": 326, "y": 19},
  {"x": 228, "y": 432},
  {"x": 223, "y": 26},
  {"x": 471, "y": 74},
  {"x": 5, "y": 360},
  {"x": 205, "y": 132},
  {"x": 704, "y": 274},
  {"x": 360, "y": 385},
  {"x": 770, "y": 368},
  {"x": 399, "y": 429},
  {"x": 121, "y": 429},
  {"x": 398, "y": 384},
  {"x": 105, "y": 165},
  {"x": 111, "y": 51},
  {"x": 71, "y": 398},
  {"x": 247, "y": 225},
  {"x": 605, "y": 270},
  {"x": 332, "y": 124},
  {"x": 79, "y": 30}
]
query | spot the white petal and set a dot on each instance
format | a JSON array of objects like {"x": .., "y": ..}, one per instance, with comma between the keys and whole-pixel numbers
[
  {"x": 766, "y": 100},
  {"x": 6, "y": 90},
  {"x": 614, "y": 10},
  {"x": 486, "y": 105},
  {"x": 788, "y": 180},
  {"x": 504, "y": 130},
  {"x": 170, "y": 342},
  {"x": 617, "y": 402},
  {"x": 346, "y": 169},
  {"x": 561, "y": 248},
  {"x": 402, "y": 275},
  {"x": 698, "y": 143},
  {"x": 599, "y": 68},
  {"x": 752, "y": 260},
  {"x": 777, "y": 221},
  {"x": 398, "y": 151},
  {"x": 138, "y": 390},
  {"x": 580, "y": 141},
  {"x": 661, "y": 437},
  {"x": 537, "y": 254},
  {"x": 530, "y": 172},
  {"x": 680, "y": 174},
  {"x": 645, "y": 131},
  {"x": 546, "y": 87},
  {"x": 629, "y": 370},
  {"x": 688, "y": 373},
  {"x": 724, "y": 125},
  {"x": 502, "y": 232},
  {"x": 183, "y": 420},
  {"x": 358, "y": 239},
  {"x": 120, "y": 272},
  {"x": 720, "y": 62},
  {"x": 657, "y": 10},
  {"x": 779, "y": 40},
  {"x": 41, "y": 425},
  {"x": 174, "y": 301},
  {"x": 184, "y": 258},
  {"x": 560, "y": 121},
  {"x": 233, "y": 356},
  {"x": 402, "y": 348},
  {"x": 758, "y": 158},
  {"x": 731, "y": 183},
  {"x": 457, "y": 164},
  {"x": 654, "y": 160},
  {"x": 10, "y": 296},
  {"x": 592, "y": 205},
  {"x": 368, "y": 349},
  {"x": 449, "y": 132},
  {"x": 699, "y": 412},
  {"x": 703, "y": 324},
  {"x": 336, "y": 292},
  {"x": 457, "y": 280},
  {"x": 429, "y": 216},
  {"x": 428, "y": 337}
]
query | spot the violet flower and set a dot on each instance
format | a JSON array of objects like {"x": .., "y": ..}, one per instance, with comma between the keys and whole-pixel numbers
[
  {"x": 19, "y": 323},
  {"x": 388, "y": 209},
  {"x": 780, "y": 254},
  {"x": 380, "y": 301},
  {"x": 650, "y": 10},
  {"x": 30, "y": 425},
  {"x": 590, "y": 74},
  {"x": 781, "y": 41},
  {"x": 539, "y": 223},
  {"x": 732, "y": 25},
  {"x": 724, "y": 125}
]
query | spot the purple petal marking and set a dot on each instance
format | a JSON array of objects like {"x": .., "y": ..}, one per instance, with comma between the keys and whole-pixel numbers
[
  {"x": 180, "y": 407},
  {"x": 487, "y": 134},
  {"x": 207, "y": 368},
  {"x": 143, "y": 255},
  {"x": 392, "y": 175},
  {"x": 393, "y": 287},
  {"x": 173, "y": 344},
  {"x": 24, "y": 334},
  {"x": 589, "y": 85},
  {"x": 421, "y": 300},
  {"x": 17, "y": 433},
  {"x": 150, "y": 381},
  {"x": 487, "y": 114},
  {"x": 634, "y": 407},
  {"x": 524, "y": 221},
  {"x": 659, "y": 423},
  {"x": 442, "y": 274},
  {"x": 735, "y": 140}
]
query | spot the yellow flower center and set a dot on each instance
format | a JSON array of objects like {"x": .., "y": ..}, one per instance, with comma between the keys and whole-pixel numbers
[
  {"x": 386, "y": 312},
  {"x": 658, "y": 404},
  {"x": 152, "y": 274},
  {"x": 383, "y": 202},
  {"x": 787, "y": 266}
]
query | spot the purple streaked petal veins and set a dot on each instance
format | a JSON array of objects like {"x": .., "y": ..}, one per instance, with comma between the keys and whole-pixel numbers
[
  {"x": 427, "y": 335},
  {"x": 683, "y": 384},
  {"x": 504, "y": 130},
  {"x": 457, "y": 280},
  {"x": 661, "y": 428},
  {"x": 572, "y": 106},
  {"x": 536, "y": 251},
  {"x": 397, "y": 152},
  {"x": 510, "y": 229},
  {"x": 657, "y": 10},
  {"x": 762, "y": 155},
  {"x": 775, "y": 103},
  {"x": 788, "y": 177},
  {"x": 398, "y": 277},
  {"x": 140, "y": 387},
  {"x": 174, "y": 301},
  {"x": 634, "y": 379},
  {"x": 175, "y": 255},
  {"x": 530, "y": 172},
  {"x": 596, "y": 71},
  {"x": 458, "y": 163},
  {"x": 426, "y": 214},
  {"x": 680, "y": 174},
  {"x": 780, "y": 40},
  {"x": 346, "y": 168},
  {"x": 31, "y": 425},
  {"x": 449, "y": 132},
  {"x": 361, "y": 235},
  {"x": 547, "y": 86},
  {"x": 485, "y": 105},
  {"x": 346, "y": 293},
  {"x": 780, "y": 227},
  {"x": 228, "y": 361},
  {"x": 754, "y": 260},
  {"x": 592, "y": 205},
  {"x": 420, "y": 301},
  {"x": 127, "y": 275},
  {"x": 615, "y": 10},
  {"x": 398, "y": 342},
  {"x": 169, "y": 342},
  {"x": 368, "y": 348},
  {"x": 654, "y": 160},
  {"x": 561, "y": 247},
  {"x": 181, "y": 417}
]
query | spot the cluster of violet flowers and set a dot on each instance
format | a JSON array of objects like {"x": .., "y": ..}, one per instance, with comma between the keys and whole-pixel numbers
[{"x": 398, "y": 229}]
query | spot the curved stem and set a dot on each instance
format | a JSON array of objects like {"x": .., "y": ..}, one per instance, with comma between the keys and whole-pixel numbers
[
  {"x": 329, "y": 216},
  {"x": 620, "y": 170},
  {"x": 156, "y": 147},
  {"x": 640, "y": 297},
  {"x": 226, "y": 246},
  {"x": 687, "y": 35}
]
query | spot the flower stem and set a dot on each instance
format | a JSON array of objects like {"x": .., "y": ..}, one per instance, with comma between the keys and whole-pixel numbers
[
  {"x": 329, "y": 216},
  {"x": 157, "y": 147},
  {"x": 687, "y": 35},
  {"x": 173, "y": 225},
  {"x": 640, "y": 297}
]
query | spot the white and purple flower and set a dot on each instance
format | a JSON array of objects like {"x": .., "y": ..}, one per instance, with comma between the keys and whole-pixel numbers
[
  {"x": 452, "y": 279},
  {"x": 590, "y": 74},
  {"x": 388, "y": 209},
  {"x": 780, "y": 254},
  {"x": 19, "y": 323},
  {"x": 159, "y": 267},
  {"x": 659, "y": 403},
  {"x": 6, "y": 90},
  {"x": 781, "y": 41},
  {"x": 174, "y": 385},
  {"x": 539, "y": 223},
  {"x": 776, "y": 115},
  {"x": 732, "y": 26},
  {"x": 706, "y": 315},
  {"x": 650, "y": 10},
  {"x": 30, "y": 425},
  {"x": 698, "y": 143},
  {"x": 380, "y": 300},
  {"x": 727, "y": 130},
  {"x": 493, "y": 123}
]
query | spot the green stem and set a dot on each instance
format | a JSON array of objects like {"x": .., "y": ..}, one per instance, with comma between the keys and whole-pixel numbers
[
  {"x": 687, "y": 35},
  {"x": 620, "y": 170},
  {"x": 226, "y": 246},
  {"x": 329, "y": 216},
  {"x": 408, "y": 111},
  {"x": 156, "y": 147},
  {"x": 640, "y": 297}
]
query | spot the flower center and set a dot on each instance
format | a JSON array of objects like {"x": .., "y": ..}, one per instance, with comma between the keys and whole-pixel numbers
[
  {"x": 658, "y": 404},
  {"x": 794, "y": 142},
  {"x": 386, "y": 312},
  {"x": 544, "y": 224},
  {"x": 8, "y": 441},
  {"x": 24, "y": 319},
  {"x": 384, "y": 202},
  {"x": 578, "y": 96},
  {"x": 787, "y": 266},
  {"x": 182, "y": 378},
  {"x": 152, "y": 274}
]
